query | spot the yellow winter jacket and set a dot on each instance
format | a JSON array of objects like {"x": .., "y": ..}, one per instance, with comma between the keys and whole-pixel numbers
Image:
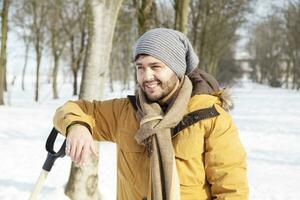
[{"x": 210, "y": 158}]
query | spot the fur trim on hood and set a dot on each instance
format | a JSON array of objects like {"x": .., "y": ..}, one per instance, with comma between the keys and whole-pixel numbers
[
  {"x": 205, "y": 83},
  {"x": 226, "y": 100}
]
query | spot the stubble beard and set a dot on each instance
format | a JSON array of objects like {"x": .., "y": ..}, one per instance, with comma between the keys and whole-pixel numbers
[{"x": 164, "y": 87}]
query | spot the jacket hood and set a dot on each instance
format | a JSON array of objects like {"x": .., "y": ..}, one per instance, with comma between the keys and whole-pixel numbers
[{"x": 205, "y": 83}]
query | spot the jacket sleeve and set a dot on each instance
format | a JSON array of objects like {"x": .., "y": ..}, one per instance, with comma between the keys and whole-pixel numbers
[
  {"x": 225, "y": 159},
  {"x": 100, "y": 117}
]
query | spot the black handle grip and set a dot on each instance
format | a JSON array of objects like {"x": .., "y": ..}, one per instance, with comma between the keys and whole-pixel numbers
[{"x": 52, "y": 155}]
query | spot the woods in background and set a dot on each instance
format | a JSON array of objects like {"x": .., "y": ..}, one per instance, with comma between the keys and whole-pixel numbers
[
  {"x": 211, "y": 26},
  {"x": 274, "y": 47},
  {"x": 55, "y": 28},
  {"x": 4, "y": 30},
  {"x": 58, "y": 30}
]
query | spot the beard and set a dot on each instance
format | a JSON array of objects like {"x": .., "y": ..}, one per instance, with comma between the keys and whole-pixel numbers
[{"x": 161, "y": 89}]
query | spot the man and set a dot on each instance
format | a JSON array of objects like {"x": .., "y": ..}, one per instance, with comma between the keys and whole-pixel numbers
[{"x": 174, "y": 139}]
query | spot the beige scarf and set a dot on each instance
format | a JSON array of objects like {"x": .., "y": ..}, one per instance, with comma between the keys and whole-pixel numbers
[{"x": 155, "y": 133}]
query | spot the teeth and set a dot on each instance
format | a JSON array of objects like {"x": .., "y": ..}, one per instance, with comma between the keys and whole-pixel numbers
[{"x": 151, "y": 85}]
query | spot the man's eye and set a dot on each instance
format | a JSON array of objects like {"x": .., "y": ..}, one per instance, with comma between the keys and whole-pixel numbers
[{"x": 156, "y": 67}]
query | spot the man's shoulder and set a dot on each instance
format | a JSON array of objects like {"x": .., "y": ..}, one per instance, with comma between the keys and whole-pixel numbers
[
  {"x": 121, "y": 101},
  {"x": 121, "y": 104},
  {"x": 202, "y": 101}
]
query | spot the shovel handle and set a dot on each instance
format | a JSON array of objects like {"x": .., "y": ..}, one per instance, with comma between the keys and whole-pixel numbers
[
  {"x": 52, "y": 155},
  {"x": 38, "y": 185}
]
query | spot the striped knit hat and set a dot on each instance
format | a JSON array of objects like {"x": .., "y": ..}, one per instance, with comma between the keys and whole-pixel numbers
[{"x": 169, "y": 46}]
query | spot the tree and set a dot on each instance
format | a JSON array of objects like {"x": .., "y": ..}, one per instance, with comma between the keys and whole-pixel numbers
[
  {"x": 164, "y": 14},
  {"x": 275, "y": 47},
  {"x": 65, "y": 25},
  {"x": 126, "y": 33},
  {"x": 4, "y": 15},
  {"x": 228, "y": 71},
  {"x": 77, "y": 53},
  {"x": 181, "y": 15},
  {"x": 291, "y": 18},
  {"x": 57, "y": 38},
  {"x": 22, "y": 29},
  {"x": 214, "y": 25},
  {"x": 83, "y": 182},
  {"x": 36, "y": 12},
  {"x": 77, "y": 12},
  {"x": 144, "y": 14},
  {"x": 266, "y": 47}
]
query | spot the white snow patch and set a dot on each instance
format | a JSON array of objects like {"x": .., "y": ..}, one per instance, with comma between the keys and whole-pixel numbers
[{"x": 267, "y": 119}]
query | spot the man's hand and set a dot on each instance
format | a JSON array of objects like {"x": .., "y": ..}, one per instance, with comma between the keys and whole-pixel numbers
[{"x": 80, "y": 144}]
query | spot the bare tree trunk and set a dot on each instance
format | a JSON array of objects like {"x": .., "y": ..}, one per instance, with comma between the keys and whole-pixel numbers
[
  {"x": 87, "y": 52},
  {"x": 76, "y": 61},
  {"x": 57, "y": 42},
  {"x": 75, "y": 65},
  {"x": 38, "y": 63},
  {"x": 297, "y": 74},
  {"x": 5, "y": 77},
  {"x": 212, "y": 66},
  {"x": 203, "y": 38},
  {"x": 4, "y": 15},
  {"x": 287, "y": 74},
  {"x": 54, "y": 76},
  {"x": 145, "y": 17},
  {"x": 195, "y": 24},
  {"x": 38, "y": 10},
  {"x": 294, "y": 71},
  {"x": 83, "y": 182},
  {"x": 75, "y": 82},
  {"x": 25, "y": 65},
  {"x": 181, "y": 15},
  {"x": 144, "y": 14},
  {"x": 105, "y": 14},
  {"x": 73, "y": 62}
]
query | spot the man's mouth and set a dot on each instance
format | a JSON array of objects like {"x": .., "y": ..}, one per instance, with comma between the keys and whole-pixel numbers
[{"x": 151, "y": 85}]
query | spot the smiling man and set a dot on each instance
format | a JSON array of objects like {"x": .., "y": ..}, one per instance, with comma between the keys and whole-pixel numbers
[
  {"x": 175, "y": 139},
  {"x": 156, "y": 79}
]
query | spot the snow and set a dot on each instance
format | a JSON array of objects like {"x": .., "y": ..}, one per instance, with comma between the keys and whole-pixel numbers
[{"x": 267, "y": 119}]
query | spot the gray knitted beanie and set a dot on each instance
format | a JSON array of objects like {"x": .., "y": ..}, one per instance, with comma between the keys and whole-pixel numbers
[{"x": 169, "y": 46}]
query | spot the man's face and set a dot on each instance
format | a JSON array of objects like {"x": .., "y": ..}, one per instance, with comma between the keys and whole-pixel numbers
[{"x": 154, "y": 77}]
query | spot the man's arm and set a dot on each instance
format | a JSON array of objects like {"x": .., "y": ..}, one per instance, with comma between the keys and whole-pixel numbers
[
  {"x": 100, "y": 117},
  {"x": 225, "y": 159},
  {"x": 82, "y": 121}
]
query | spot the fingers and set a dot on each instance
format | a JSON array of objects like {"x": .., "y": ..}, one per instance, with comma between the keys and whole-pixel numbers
[
  {"x": 88, "y": 149},
  {"x": 85, "y": 153},
  {"x": 68, "y": 148},
  {"x": 79, "y": 152},
  {"x": 73, "y": 151},
  {"x": 77, "y": 156},
  {"x": 80, "y": 144},
  {"x": 93, "y": 150}
]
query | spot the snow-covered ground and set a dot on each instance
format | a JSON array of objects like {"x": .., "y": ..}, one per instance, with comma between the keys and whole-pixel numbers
[{"x": 268, "y": 120}]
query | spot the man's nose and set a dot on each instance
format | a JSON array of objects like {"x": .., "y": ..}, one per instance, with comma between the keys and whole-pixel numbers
[{"x": 149, "y": 75}]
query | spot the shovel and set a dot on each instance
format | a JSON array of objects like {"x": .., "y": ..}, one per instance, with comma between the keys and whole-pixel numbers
[{"x": 49, "y": 162}]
